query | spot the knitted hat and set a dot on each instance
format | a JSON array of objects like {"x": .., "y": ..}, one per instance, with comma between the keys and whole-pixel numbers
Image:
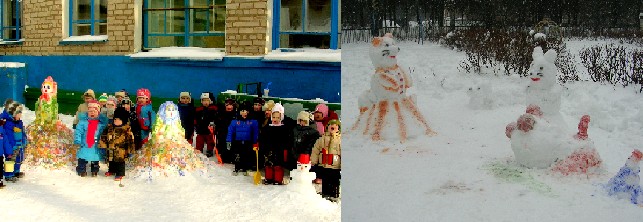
[
  {"x": 303, "y": 115},
  {"x": 14, "y": 108},
  {"x": 89, "y": 93},
  {"x": 230, "y": 101},
  {"x": 334, "y": 121},
  {"x": 121, "y": 114},
  {"x": 111, "y": 100},
  {"x": 207, "y": 95},
  {"x": 93, "y": 104},
  {"x": 279, "y": 108},
  {"x": 143, "y": 92},
  {"x": 102, "y": 98},
  {"x": 322, "y": 108},
  {"x": 269, "y": 105}
]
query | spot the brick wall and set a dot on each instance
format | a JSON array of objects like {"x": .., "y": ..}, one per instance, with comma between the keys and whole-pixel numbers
[
  {"x": 42, "y": 30},
  {"x": 246, "y": 24}
]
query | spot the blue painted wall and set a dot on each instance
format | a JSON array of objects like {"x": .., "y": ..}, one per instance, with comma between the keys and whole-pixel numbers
[{"x": 164, "y": 78}]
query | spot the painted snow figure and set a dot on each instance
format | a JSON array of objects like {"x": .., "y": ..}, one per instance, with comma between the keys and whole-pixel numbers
[
  {"x": 585, "y": 158},
  {"x": 543, "y": 89},
  {"x": 47, "y": 104},
  {"x": 535, "y": 141},
  {"x": 480, "y": 96},
  {"x": 50, "y": 141},
  {"x": 386, "y": 112},
  {"x": 625, "y": 185},
  {"x": 167, "y": 152}
]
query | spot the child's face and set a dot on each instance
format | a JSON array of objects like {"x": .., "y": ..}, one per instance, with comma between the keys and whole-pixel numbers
[
  {"x": 276, "y": 118},
  {"x": 302, "y": 122},
  {"x": 88, "y": 98},
  {"x": 184, "y": 100},
  {"x": 111, "y": 105},
  {"x": 318, "y": 116},
  {"x": 119, "y": 99},
  {"x": 142, "y": 100},
  {"x": 206, "y": 102},
  {"x": 229, "y": 107},
  {"x": 17, "y": 116},
  {"x": 92, "y": 112},
  {"x": 102, "y": 103},
  {"x": 268, "y": 113},
  {"x": 126, "y": 106},
  {"x": 118, "y": 122},
  {"x": 244, "y": 115},
  {"x": 333, "y": 128},
  {"x": 256, "y": 107}
]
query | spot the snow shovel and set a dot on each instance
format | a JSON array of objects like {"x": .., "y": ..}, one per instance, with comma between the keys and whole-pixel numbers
[
  {"x": 216, "y": 151},
  {"x": 257, "y": 179}
]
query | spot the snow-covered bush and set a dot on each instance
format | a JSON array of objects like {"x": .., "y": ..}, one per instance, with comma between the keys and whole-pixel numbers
[{"x": 616, "y": 65}]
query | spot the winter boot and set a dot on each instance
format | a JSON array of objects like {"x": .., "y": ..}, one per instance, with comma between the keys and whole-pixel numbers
[
  {"x": 118, "y": 178},
  {"x": 94, "y": 174},
  {"x": 108, "y": 174},
  {"x": 235, "y": 173},
  {"x": 20, "y": 175},
  {"x": 1, "y": 184},
  {"x": 245, "y": 173},
  {"x": 83, "y": 174},
  {"x": 279, "y": 175}
]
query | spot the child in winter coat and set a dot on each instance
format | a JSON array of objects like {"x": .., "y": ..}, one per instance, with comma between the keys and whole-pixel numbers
[
  {"x": 111, "y": 107},
  {"x": 87, "y": 136},
  {"x": 243, "y": 134},
  {"x": 17, "y": 139},
  {"x": 322, "y": 116},
  {"x": 5, "y": 150},
  {"x": 82, "y": 108},
  {"x": 327, "y": 154},
  {"x": 225, "y": 116},
  {"x": 127, "y": 105},
  {"x": 276, "y": 139},
  {"x": 119, "y": 141},
  {"x": 205, "y": 118},
  {"x": 304, "y": 138},
  {"x": 144, "y": 113},
  {"x": 186, "y": 113}
]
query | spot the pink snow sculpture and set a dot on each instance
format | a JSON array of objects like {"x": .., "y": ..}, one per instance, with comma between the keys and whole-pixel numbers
[
  {"x": 582, "y": 128},
  {"x": 626, "y": 183},
  {"x": 386, "y": 112},
  {"x": 534, "y": 110},
  {"x": 509, "y": 129},
  {"x": 526, "y": 122}
]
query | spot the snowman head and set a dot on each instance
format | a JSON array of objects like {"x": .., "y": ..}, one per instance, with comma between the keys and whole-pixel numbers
[
  {"x": 303, "y": 167},
  {"x": 542, "y": 70},
  {"x": 384, "y": 51}
]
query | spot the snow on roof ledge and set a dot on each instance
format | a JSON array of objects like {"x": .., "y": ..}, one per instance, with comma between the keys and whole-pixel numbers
[
  {"x": 11, "y": 64},
  {"x": 86, "y": 38},
  {"x": 305, "y": 55},
  {"x": 182, "y": 53}
]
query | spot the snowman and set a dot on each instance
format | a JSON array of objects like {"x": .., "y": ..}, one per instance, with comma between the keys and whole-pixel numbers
[
  {"x": 386, "y": 111},
  {"x": 625, "y": 184},
  {"x": 301, "y": 177}
]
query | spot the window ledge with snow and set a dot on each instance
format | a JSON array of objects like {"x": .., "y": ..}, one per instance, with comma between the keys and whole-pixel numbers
[
  {"x": 83, "y": 40},
  {"x": 12, "y": 65},
  {"x": 19, "y": 42},
  {"x": 304, "y": 55},
  {"x": 181, "y": 54}
]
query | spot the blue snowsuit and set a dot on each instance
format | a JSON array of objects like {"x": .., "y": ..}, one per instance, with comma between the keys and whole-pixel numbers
[
  {"x": 17, "y": 140},
  {"x": 243, "y": 133},
  {"x": 5, "y": 150},
  {"x": 86, "y": 153}
]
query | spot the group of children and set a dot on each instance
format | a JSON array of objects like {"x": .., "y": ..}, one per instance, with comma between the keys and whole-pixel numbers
[{"x": 112, "y": 128}]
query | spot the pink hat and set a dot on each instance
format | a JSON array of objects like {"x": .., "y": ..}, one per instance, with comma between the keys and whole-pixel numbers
[{"x": 323, "y": 109}]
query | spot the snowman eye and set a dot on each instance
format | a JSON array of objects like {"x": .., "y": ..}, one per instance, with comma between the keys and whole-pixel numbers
[
  {"x": 540, "y": 74},
  {"x": 386, "y": 45},
  {"x": 541, "y": 68}
]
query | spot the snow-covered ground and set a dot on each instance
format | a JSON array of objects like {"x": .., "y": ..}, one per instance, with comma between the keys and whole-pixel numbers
[
  {"x": 61, "y": 195},
  {"x": 467, "y": 172}
]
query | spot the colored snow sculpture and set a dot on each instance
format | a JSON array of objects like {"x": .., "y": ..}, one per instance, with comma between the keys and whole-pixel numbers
[
  {"x": 543, "y": 90},
  {"x": 50, "y": 141},
  {"x": 167, "y": 152},
  {"x": 626, "y": 183},
  {"x": 386, "y": 111},
  {"x": 584, "y": 159},
  {"x": 480, "y": 96}
]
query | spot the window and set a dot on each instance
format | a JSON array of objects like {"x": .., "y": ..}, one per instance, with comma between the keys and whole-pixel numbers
[
  {"x": 10, "y": 22},
  {"x": 306, "y": 23},
  {"x": 87, "y": 17},
  {"x": 195, "y": 23}
]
